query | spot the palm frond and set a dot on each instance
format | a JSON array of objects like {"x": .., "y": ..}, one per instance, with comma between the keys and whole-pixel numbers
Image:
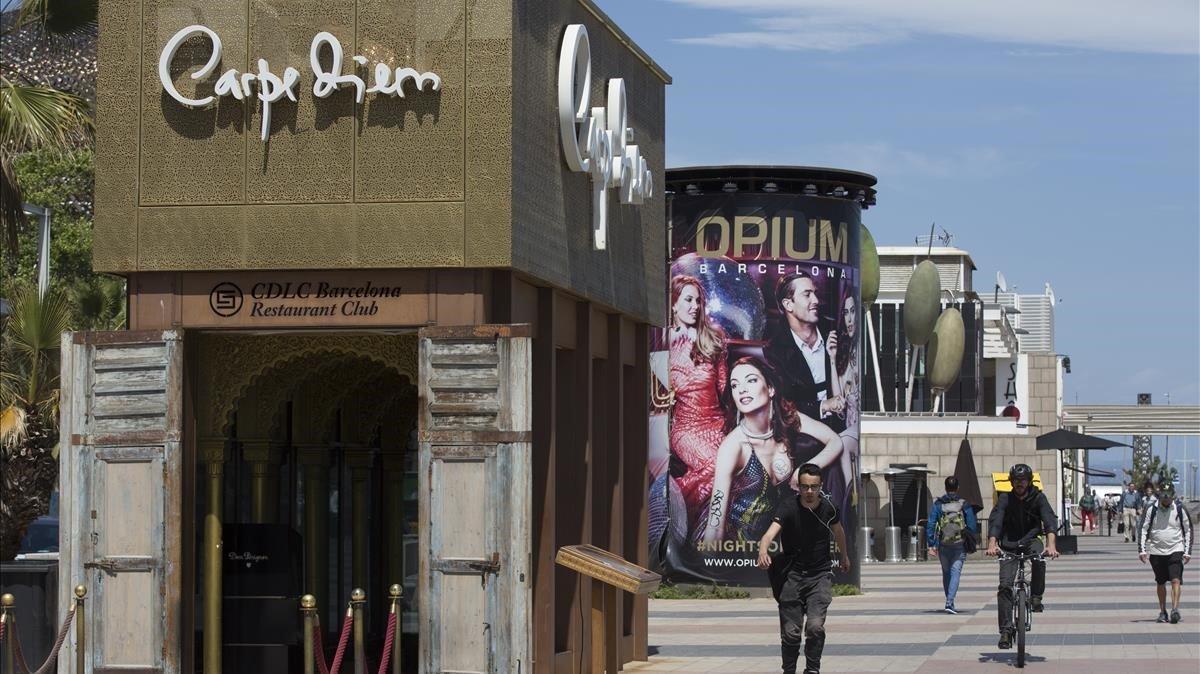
[
  {"x": 12, "y": 426},
  {"x": 12, "y": 215},
  {"x": 59, "y": 16},
  {"x": 36, "y": 324},
  {"x": 34, "y": 117}
]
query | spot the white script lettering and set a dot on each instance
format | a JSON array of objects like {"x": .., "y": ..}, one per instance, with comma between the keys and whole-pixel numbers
[
  {"x": 271, "y": 87},
  {"x": 598, "y": 140}
]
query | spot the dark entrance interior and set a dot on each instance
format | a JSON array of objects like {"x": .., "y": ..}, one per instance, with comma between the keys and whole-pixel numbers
[{"x": 318, "y": 489}]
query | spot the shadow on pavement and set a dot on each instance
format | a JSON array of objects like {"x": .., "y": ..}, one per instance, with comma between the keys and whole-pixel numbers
[{"x": 1009, "y": 657}]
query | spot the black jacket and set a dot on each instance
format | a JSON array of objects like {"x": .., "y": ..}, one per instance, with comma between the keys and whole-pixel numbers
[
  {"x": 1017, "y": 522},
  {"x": 796, "y": 379}
]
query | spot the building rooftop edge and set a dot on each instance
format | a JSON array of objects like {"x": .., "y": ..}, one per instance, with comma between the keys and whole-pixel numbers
[{"x": 624, "y": 38}]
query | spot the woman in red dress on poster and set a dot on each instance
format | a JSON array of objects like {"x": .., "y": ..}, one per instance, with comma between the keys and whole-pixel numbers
[{"x": 698, "y": 380}]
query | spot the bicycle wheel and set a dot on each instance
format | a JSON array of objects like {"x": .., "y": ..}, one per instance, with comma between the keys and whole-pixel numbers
[{"x": 1019, "y": 624}]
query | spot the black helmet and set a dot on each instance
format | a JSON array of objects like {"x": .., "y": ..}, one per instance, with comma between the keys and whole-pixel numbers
[{"x": 1020, "y": 471}]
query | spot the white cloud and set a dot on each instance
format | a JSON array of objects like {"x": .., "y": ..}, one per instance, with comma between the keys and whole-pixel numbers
[{"x": 1152, "y": 26}]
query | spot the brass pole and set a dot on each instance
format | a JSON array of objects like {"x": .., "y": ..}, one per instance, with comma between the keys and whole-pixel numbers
[
  {"x": 308, "y": 608},
  {"x": 213, "y": 454},
  {"x": 393, "y": 495},
  {"x": 396, "y": 591},
  {"x": 316, "y": 519},
  {"x": 6, "y": 606},
  {"x": 80, "y": 631},
  {"x": 357, "y": 599},
  {"x": 264, "y": 457},
  {"x": 359, "y": 459}
]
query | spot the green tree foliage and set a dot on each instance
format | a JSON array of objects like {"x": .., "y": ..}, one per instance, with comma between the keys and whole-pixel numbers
[
  {"x": 63, "y": 182},
  {"x": 1155, "y": 471}
]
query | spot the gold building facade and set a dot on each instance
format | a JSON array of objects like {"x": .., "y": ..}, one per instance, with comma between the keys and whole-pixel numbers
[{"x": 381, "y": 329}]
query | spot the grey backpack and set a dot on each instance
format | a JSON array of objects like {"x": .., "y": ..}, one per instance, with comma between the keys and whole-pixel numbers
[{"x": 951, "y": 523}]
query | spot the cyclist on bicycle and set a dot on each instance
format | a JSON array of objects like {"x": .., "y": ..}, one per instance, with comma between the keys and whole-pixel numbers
[{"x": 1019, "y": 518}]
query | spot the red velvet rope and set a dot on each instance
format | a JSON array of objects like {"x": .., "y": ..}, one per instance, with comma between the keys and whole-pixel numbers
[
  {"x": 342, "y": 643},
  {"x": 319, "y": 646},
  {"x": 387, "y": 644}
]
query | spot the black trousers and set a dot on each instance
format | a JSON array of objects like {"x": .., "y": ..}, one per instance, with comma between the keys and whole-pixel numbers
[
  {"x": 1008, "y": 575},
  {"x": 803, "y": 603}
]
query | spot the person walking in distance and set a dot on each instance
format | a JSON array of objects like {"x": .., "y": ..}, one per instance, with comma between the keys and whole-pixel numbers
[
  {"x": 1166, "y": 543},
  {"x": 1019, "y": 518},
  {"x": 1128, "y": 505},
  {"x": 802, "y": 575},
  {"x": 951, "y": 521},
  {"x": 1087, "y": 511}
]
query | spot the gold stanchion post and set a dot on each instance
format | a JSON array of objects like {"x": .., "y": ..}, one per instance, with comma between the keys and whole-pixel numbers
[
  {"x": 358, "y": 599},
  {"x": 6, "y": 618},
  {"x": 308, "y": 608},
  {"x": 80, "y": 631},
  {"x": 396, "y": 591}
]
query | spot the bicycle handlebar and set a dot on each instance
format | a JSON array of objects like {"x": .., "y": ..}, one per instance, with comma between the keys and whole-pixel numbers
[{"x": 1021, "y": 555}]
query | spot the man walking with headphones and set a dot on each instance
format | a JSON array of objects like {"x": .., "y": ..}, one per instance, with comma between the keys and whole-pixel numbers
[{"x": 802, "y": 576}]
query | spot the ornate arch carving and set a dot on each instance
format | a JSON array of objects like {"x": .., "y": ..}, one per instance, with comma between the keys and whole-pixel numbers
[{"x": 230, "y": 363}]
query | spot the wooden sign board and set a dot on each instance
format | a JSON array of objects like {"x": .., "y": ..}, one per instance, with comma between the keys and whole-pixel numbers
[{"x": 604, "y": 566}]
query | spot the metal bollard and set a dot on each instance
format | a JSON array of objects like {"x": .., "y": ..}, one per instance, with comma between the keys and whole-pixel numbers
[
  {"x": 866, "y": 540},
  {"x": 358, "y": 599},
  {"x": 80, "y": 631},
  {"x": 914, "y": 543},
  {"x": 308, "y": 609},
  {"x": 6, "y": 616},
  {"x": 891, "y": 539},
  {"x": 6, "y": 606},
  {"x": 396, "y": 591}
]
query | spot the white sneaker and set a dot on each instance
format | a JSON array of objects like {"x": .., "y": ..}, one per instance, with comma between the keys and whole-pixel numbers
[{"x": 951, "y": 610}]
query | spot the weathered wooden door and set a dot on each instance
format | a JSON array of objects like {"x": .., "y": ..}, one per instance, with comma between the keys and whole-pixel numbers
[
  {"x": 475, "y": 588},
  {"x": 119, "y": 480}
]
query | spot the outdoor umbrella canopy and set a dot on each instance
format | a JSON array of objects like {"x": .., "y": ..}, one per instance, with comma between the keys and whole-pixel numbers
[
  {"x": 968, "y": 479},
  {"x": 1064, "y": 439}
]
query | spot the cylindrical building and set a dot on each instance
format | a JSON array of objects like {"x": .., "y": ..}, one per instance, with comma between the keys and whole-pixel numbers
[{"x": 758, "y": 369}]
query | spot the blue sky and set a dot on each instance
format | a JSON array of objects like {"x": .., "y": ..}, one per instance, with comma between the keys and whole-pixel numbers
[{"x": 1058, "y": 142}]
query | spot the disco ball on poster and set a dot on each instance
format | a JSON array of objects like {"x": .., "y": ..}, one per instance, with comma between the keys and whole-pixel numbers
[{"x": 734, "y": 300}]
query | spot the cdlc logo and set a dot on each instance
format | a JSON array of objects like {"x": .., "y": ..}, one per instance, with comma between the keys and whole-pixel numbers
[{"x": 226, "y": 299}]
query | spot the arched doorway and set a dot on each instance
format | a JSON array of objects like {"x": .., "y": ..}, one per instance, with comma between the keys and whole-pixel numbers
[{"x": 316, "y": 491}]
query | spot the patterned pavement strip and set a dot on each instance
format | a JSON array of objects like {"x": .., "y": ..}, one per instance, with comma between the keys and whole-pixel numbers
[{"x": 1099, "y": 619}]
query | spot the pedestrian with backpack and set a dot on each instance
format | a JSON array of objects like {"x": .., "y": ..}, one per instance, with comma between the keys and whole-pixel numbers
[
  {"x": 1087, "y": 509},
  {"x": 1166, "y": 542},
  {"x": 950, "y": 531}
]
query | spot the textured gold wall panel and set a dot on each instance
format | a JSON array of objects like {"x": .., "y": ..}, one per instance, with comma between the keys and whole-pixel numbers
[
  {"x": 195, "y": 237},
  {"x": 310, "y": 153},
  {"x": 191, "y": 156},
  {"x": 471, "y": 176},
  {"x": 411, "y": 148},
  {"x": 115, "y": 236},
  {"x": 489, "y": 133},
  {"x": 427, "y": 235}
]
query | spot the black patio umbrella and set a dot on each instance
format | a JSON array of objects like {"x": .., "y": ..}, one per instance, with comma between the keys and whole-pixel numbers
[
  {"x": 1062, "y": 440},
  {"x": 968, "y": 478}
]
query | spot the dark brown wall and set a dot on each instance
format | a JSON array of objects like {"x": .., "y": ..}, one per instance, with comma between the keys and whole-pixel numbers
[
  {"x": 552, "y": 216},
  {"x": 589, "y": 465}
]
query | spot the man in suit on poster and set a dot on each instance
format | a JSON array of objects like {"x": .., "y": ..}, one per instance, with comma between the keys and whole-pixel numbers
[{"x": 800, "y": 354}]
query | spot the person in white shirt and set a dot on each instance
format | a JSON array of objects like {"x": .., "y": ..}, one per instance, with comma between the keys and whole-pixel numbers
[{"x": 1166, "y": 542}]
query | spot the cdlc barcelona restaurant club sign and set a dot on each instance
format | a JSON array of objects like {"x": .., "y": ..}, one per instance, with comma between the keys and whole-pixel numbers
[{"x": 595, "y": 140}]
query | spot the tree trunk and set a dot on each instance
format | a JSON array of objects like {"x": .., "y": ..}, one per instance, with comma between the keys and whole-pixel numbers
[{"x": 27, "y": 475}]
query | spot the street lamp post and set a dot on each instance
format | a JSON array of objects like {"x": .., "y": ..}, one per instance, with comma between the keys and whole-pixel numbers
[{"x": 43, "y": 245}]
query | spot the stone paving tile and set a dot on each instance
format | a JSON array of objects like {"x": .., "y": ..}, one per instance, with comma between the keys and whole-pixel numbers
[{"x": 1093, "y": 624}]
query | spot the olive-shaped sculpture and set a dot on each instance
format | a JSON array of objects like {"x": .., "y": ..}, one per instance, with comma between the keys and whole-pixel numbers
[
  {"x": 868, "y": 266},
  {"x": 945, "y": 350},
  {"x": 922, "y": 303}
]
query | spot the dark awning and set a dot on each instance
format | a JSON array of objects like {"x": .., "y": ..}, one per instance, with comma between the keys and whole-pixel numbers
[
  {"x": 968, "y": 479},
  {"x": 1064, "y": 439}
]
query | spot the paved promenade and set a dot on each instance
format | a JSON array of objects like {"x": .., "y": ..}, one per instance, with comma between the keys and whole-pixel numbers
[{"x": 1100, "y": 613}]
